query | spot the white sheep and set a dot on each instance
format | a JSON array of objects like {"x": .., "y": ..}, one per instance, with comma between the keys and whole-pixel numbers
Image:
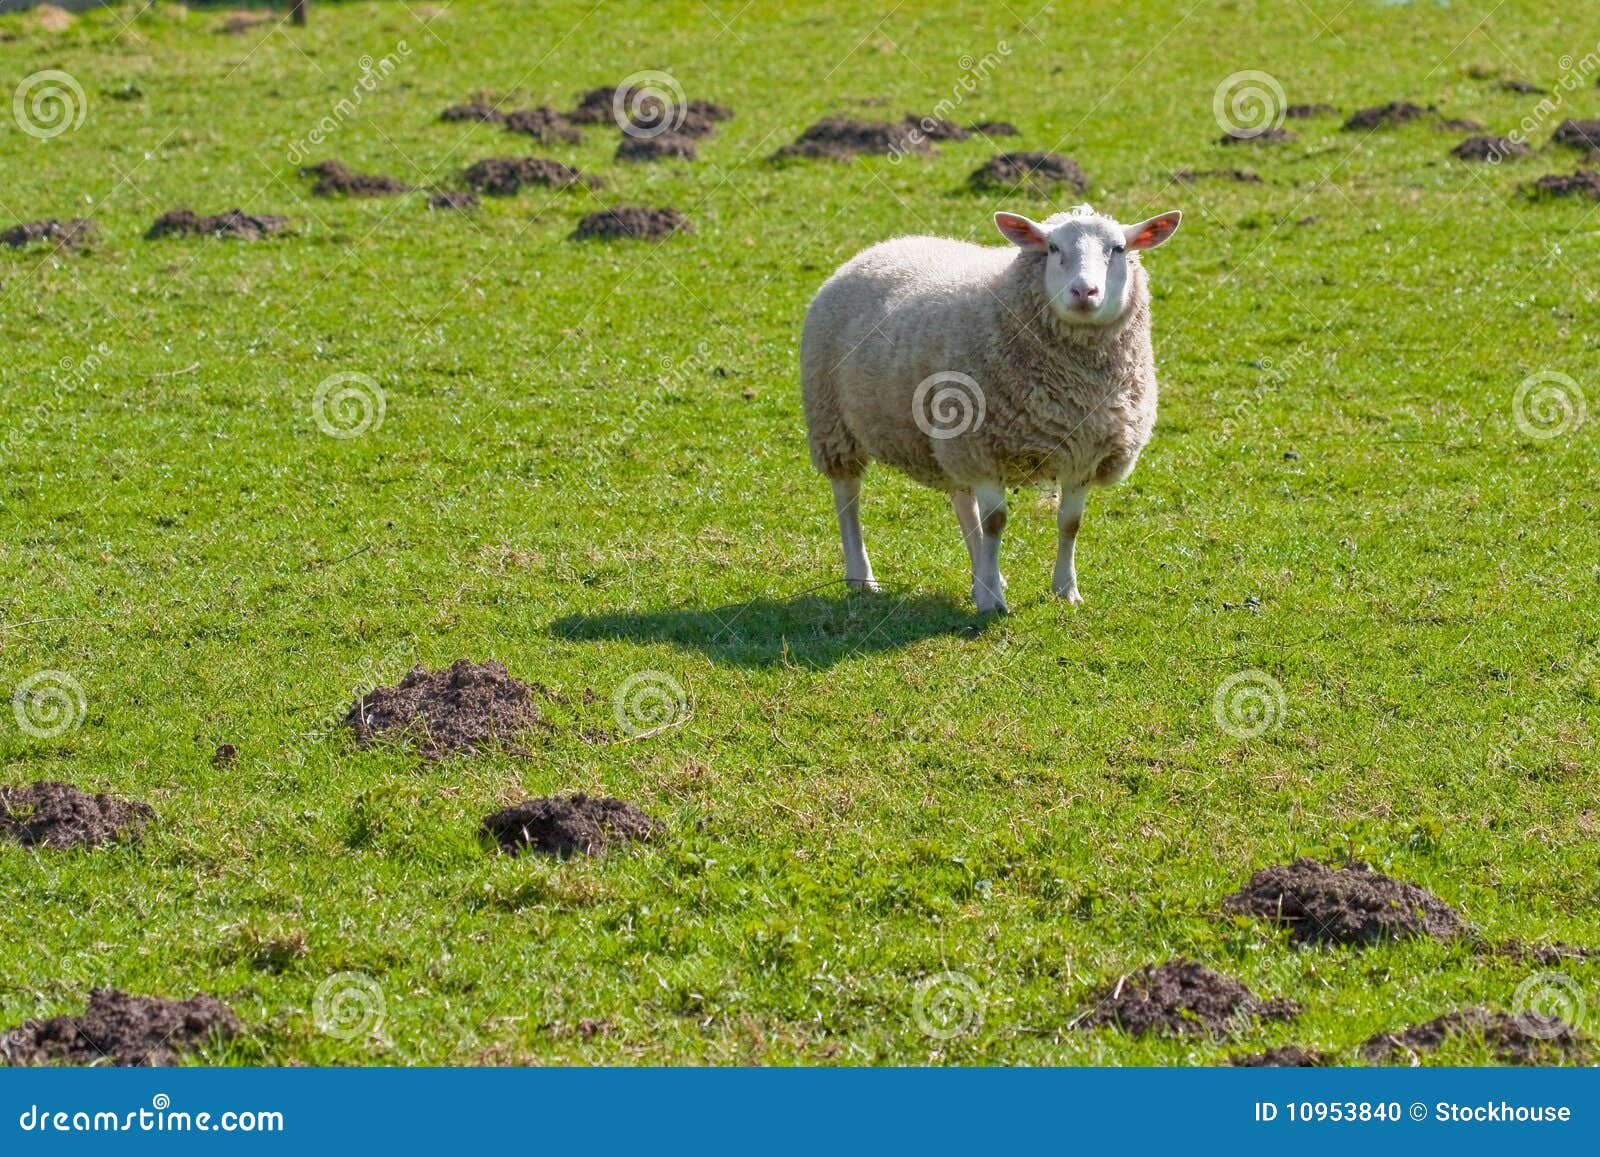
[{"x": 973, "y": 368}]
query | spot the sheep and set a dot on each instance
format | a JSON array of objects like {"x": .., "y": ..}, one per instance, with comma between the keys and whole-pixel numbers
[{"x": 972, "y": 368}]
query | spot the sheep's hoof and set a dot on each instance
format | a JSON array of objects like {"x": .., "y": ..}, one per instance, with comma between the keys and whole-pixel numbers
[
  {"x": 1070, "y": 594},
  {"x": 870, "y": 585},
  {"x": 989, "y": 601}
]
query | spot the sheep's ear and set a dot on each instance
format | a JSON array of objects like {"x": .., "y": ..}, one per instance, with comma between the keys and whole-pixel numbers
[
  {"x": 1149, "y": 234},
  {"x": 1020, "y": 231}
]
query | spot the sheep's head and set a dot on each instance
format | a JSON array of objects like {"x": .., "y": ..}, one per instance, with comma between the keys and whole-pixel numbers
[{"x": 1090, "y": 259}]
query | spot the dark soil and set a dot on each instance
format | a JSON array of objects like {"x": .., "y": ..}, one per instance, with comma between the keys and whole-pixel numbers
[
  {"x": 1181, "y": 998},
  {"x": 1489, "y": 148},
  {"x": 504, "y": 176},
  {"x": 335, "y": 179},
  {"x": 1243, "y": 176},
  {"x": 1349, "y": 905},
  {"x": 1544, "y": 955},
  {"x": 457, "y": 199},
  {"x": 122, "y": 1030},
  {"x": 565, "y": 825},
  {"x": 710, "y": 110},
  {"x": 1382, "y": 116},
  {"x": 1579, "y": 134},
  {"x": 1036, "y": 170},
  {"x": 49, "y": 814},
  {"x": 545, "y": 125},
  {"x": 594, "y": 106},
  {"x": 1507, "y": 1036},
  {"x": 1518, "y": 85},
  {"x": 1461, "y": 125},
  {"x": 995, "y": 129},
  {"x": 1582, "y": 183},
  {"x": 226, "y": 755},
  {"x": 67, "y": 234},
  {"x": 1268, "y": 136},
  {"x": 636, "y": 221},
  {"x": 937, "y": 128},
  {"x": 1283, "y": 1057},
  {"x": 681, "y": 122},
  {"x": 840, "y": 138},
  {"x": 233, "y": 223},
  {"x": 663, "y": 147},
  {"x": 1302, "y": 112},
  {"x": 456, "y": 710},
  {"x": 473, "y": 111}
]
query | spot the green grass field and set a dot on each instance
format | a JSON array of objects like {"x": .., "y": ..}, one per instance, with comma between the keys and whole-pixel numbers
[{"x": 591, "y": 466}]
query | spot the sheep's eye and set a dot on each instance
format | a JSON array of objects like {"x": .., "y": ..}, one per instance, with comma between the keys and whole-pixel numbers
[
  {"x": 1053, "y": 249},
  {"x": 1119, "y": 249}
]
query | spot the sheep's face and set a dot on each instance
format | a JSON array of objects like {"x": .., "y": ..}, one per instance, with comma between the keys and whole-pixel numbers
[{"x": 1089, "y": 259}]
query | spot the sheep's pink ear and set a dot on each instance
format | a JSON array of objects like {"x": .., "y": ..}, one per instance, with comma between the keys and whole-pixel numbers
[
  {"x": 1149, "y": 234},
  {"x": 1020, "y": 231}
]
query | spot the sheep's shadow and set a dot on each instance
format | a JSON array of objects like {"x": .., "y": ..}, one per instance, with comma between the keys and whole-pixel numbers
[{"x": 813, "y": 629}]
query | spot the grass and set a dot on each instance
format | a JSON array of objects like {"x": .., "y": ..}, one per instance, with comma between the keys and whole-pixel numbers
[{"x": 591, "y": 465}]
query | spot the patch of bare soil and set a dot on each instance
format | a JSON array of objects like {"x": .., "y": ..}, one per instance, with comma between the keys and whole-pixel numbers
[
  {"x": 632, "y": 221},
  {"x": 1349, "y": 905},
  {"x": 335, "y": 179},
  {"x": 1304, "y": 112},
  {"x": 1181, "y": 998},
  {"x": 233, "y": 223},
  {"x": 839, "y": 138},
  {"x": 658, "y": 148},
  {"x": 1528, "y": 1039},
  {"x": 1272, "y": 135},
  {"x": 459, "y": 709},
  {"x": 995, "y": 129},
  {"x": 545, "y": 125},
  {"x": 1582, "y": 183},
  {"x": 1242, "y": 176},
  {"x": 1028, "y": 170},
  {"x": 50, "y": 814},
  {"x": 1516, "y": 84},
  {"x": 69, "y": 234},
  {"x": 937, "y": 128},
  {"x": 1487, "y": 147},
  {"x": 120, "y": 1029},
  {"x": 1383, "y": 116},
  {"x": 567, "y": 825},
  {"x": 594, "y": 106},
  {"x": 1578, "y": 134},
  {"x": 663, "y": 120},
  {"x": 1283, "y": 1057},
  {"x": 504, "y": 176},
  {"x": 457, "y": 199},
  {"x": 710, "y": 110},
  {"x": 473, "y": 111}
]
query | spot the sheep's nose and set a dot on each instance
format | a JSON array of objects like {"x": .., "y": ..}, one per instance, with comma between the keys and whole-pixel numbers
[{"x": 1085, "y": 292}]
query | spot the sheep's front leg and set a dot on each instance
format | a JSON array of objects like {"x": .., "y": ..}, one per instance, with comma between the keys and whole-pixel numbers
[
  {"x": 988, "y": 588},
  {"x": 1069, "y": 515},
  {"x": 847, "y": 505}
]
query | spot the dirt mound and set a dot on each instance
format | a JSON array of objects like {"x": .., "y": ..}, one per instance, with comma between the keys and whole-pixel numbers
[
  {"x": 1243, "y": 176},
  {"x": 1349, "y": 905},
  {"x": 1272, "y": 135},
  {"x": 1486, "y": 147},
  {"x": 458, "y": 709},
  {"x": 1383, "y": 116},
  {"x": 473, "y": 111},
  {"x": 995, "y": 129},
  {"x": 1544, "y": 955},
  {"x": 67, "y": 234},
  {"x": 457, "y": 199},
  {"x": 638, "y": 221},
  {"x": 335, "y": 179},
  {"x": 937, "y": 128},
  {"x": 122, "y": 1030},
  {"x": 1303, "y": 112},
  {"x": 545, "y": 125},
  {"x": 504, "y": 176},
  {"x": 49, "y": 814},
  {"x": 1030, "y": 170},
  {"x": 710, "y": 110},
  {"x": 681, "y": 122},
  {"x": 594, "y": 106},
  {"x": 1462, "y": 125},
  {"x": 1283, "y": 1057},
  {"x": 1516, "y": 1040},
  {"x": 233, "y": 223},
  {"x": 1181, "y": 998},
  {"x": 667, "y": 145},
  {"x": 1582, "y": 183},
  {"x": 1516, "y": 84},
  {"x": 1579, "y": 134},
  {"x": 840, "y": 138},
  {"x": 564, "y": 825}
]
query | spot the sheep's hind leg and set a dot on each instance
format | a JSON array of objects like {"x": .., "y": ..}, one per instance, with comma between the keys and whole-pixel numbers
[
  {"x": 1069, "y": 515},
  {"x": 847, "y": 504},
  {"x": 988, "y": 588}
]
